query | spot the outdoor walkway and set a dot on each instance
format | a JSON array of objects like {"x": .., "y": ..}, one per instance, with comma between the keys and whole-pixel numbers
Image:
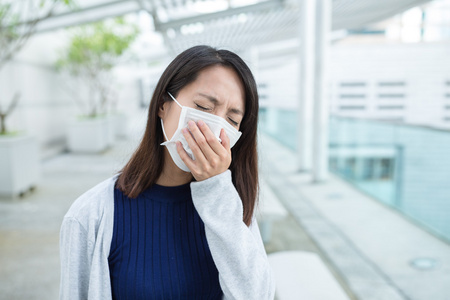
[
  {"x": 29, "y": 226},
  {"x": 366, "y": 245},
  {"x": 369, "y": 245}
]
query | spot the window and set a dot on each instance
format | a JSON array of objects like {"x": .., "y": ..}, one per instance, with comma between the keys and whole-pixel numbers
[
  {"x": 368, "y": 169},
  {"x": 350, "y": 167},
  {"x": 386, "y": 168},
  {"x": 333, "y": 163},
  {"x": 352, "y": 96},
  {"x": 353, "y": 84},
  {"x": 392, "y": 119},
  {"x": 390, "y": 107},
  {"x": 352, "y": 107},
  {"x": 392, "y": 83},
  {"x": 391, "y": 95}
]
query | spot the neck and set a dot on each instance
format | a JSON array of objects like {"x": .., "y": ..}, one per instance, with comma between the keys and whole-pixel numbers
[{"x": 171, "y": 175}]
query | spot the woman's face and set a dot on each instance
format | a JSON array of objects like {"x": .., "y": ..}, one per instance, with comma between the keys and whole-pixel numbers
[{"x": 217, "y": 90}]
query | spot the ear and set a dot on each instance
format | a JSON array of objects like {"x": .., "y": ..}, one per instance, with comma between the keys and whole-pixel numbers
[{"x": 162, "y": 110}]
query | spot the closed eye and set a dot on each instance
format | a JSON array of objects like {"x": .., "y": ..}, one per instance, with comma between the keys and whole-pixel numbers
[
  {"x": 206, "y": 109},
  {"x": 201, "y": 107},
  {"x": 233, "y": 121}
]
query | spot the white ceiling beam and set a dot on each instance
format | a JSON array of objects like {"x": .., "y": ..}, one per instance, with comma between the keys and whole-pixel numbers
[
  {"x": 374, "y": 11},
  {"x": 88, "y": 14},
  {"x": 281, "y": 25},
  {"x": 266, "y": 5}
]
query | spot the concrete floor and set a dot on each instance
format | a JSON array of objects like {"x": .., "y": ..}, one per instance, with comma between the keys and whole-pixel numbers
[
  {"x": 29, "y": 226},
  {"x": 288, "y": 234}
]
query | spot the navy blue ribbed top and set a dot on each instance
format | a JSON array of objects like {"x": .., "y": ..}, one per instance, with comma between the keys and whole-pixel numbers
[{"x": 159, "y": 248}]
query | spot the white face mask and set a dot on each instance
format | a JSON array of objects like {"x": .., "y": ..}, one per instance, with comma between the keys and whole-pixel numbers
[{"x": 215, "y": 123}]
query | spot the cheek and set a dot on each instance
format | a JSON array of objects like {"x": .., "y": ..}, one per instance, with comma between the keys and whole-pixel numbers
[{"x": 171, "y": 123}]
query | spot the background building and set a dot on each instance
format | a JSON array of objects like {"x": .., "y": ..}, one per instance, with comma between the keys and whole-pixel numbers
[{"x": 354, "y": 135}]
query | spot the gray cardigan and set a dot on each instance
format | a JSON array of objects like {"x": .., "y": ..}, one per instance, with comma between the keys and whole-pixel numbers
[{"x": 237, "y": 250}]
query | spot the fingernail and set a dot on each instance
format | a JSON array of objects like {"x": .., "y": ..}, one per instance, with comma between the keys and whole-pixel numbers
[
  {"x": 191, "y": 123},
  {"x": 185, "y": 130},
  {"x": 200, "y": 123}
]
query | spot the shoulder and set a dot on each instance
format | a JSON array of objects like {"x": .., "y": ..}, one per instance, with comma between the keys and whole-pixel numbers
[{"x": 92, "y": 204}]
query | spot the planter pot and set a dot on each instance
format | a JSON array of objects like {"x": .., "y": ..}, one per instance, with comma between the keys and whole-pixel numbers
[
  {"x": 19, "y": 164},
  {"x": 89, "y": 135},
  {"x": 120, "y": 124}
]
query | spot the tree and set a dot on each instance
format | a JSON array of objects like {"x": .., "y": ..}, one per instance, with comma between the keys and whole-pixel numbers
[
  {"x": 93, "y": 51},
  {"x": 18, "y": 20}
]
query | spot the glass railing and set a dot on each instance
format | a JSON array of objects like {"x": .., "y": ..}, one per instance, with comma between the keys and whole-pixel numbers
[
  {"x": 404, "y": 166},
  {"x": 280, "y": 124}
]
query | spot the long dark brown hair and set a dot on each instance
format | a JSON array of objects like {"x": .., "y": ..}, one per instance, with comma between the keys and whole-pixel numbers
[{"x": 147, "y": 162}]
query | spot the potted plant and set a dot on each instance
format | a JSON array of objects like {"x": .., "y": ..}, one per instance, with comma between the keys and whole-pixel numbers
[
  {"x": 93, "y": 52},
  {"x": 19, "y": 158}
]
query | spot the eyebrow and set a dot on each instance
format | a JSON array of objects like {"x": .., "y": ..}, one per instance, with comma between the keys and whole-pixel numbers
[{"x": 216, "y": 102}]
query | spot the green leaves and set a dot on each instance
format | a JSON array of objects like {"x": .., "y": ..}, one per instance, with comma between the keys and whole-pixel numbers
[
  {"x": 93, "y": 51},
  {"x": 8, "y": 23},
  {"x": 98, "y": 45},
  {"x": 18, "y": 20}
]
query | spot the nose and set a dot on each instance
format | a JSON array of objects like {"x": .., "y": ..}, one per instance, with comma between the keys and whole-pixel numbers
[{"x": 220, "y": 112}]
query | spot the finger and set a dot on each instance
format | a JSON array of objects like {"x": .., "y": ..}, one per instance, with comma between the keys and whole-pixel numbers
[
  {"x": 225, "y": 139},
  {"x": 211, "y": 139},
  {"x": 201, "y": 141},
  {"x": 190, "y": 163},
  {"x": 199, "y": 156}
]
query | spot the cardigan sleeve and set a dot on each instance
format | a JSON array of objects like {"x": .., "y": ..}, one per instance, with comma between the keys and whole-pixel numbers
[
  {"x": 237, "y": 250},
  {"x": 74, "y": 259}
]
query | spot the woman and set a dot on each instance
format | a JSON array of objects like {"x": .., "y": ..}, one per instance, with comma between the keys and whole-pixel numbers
[{"x": 178, "y": 222}]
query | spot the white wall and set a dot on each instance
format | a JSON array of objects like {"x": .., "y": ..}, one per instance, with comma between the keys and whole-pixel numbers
[
  {"x": 424, "y": 69},
  {"x": 46, "y": 104},
  {"x": 281, "y": 80}
]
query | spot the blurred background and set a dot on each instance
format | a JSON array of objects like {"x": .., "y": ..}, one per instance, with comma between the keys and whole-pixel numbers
[{"x": 354, "y": 130}]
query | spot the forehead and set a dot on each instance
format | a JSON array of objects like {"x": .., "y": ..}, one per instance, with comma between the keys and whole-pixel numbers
[{"x": 222, "y": 83}]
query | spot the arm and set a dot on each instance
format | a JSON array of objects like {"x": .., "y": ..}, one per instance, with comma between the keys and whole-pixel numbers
[
  {"x": 74, "y": 259},
  {"x": 237, "y": 250}
]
